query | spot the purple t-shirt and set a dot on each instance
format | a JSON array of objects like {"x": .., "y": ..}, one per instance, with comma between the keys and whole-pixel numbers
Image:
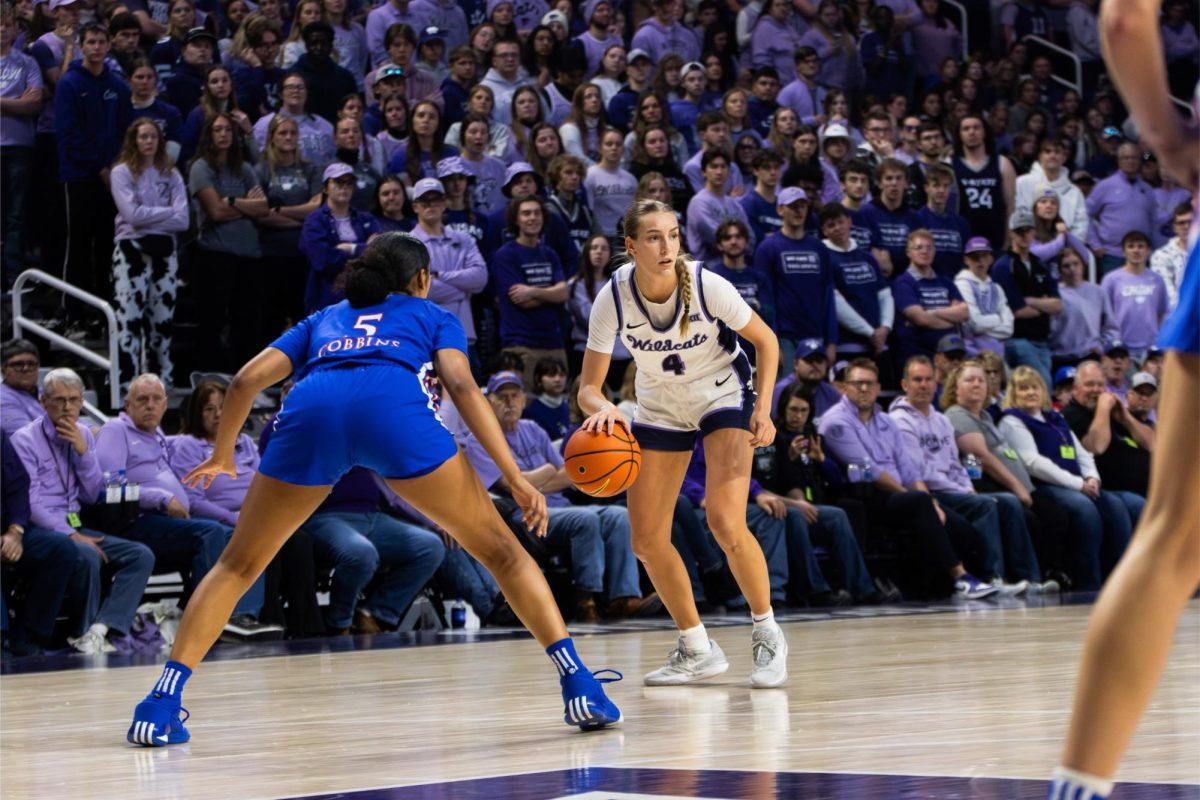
[
  {"x": 910, "y": 289},
  {"x": 18, "y": 73},
  {"x": 1138, "y": 304},
  {"x": 609, "y": 193},
  {"x": 531, "y": 448}
]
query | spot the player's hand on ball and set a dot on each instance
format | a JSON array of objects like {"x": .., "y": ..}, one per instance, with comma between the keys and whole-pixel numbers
[
  {"x": 533, "y": 505},
  {"x": 604, "y": 420},
  {"x": 207, "y": 472}
]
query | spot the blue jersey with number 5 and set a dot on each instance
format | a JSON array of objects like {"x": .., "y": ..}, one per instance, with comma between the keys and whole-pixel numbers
[{"x": 402, "y": 330}]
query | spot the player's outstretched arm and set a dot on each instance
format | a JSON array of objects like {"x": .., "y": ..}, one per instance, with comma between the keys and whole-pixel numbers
[
  {"x": 1133, "y": 51},
  {"x": 266, "y": 369},
  {"x": 454, "y": 373}
]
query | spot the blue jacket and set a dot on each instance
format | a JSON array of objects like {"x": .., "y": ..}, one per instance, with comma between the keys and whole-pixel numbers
[
  {"x": 319, "y": 242},
  {"x": 184, "y": 85},
  {"x": 91, "y": 113}
]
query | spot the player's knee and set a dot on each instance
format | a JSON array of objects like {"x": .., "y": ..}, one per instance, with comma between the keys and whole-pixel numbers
[
  {"x": 648, "y": 547},
  {"x": 729, "y": 531}
]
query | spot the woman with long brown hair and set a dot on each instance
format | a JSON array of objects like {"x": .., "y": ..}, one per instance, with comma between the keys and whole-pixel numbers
[{"x": 152, "y": 207}]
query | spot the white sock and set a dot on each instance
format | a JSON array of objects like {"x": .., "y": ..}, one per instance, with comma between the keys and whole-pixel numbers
[
  {"x": 695, "y": 639},
  {"x": 765, "y": 621},
  {"x": 100, "y": 628},
  {"x": 1068, "y": 782}
]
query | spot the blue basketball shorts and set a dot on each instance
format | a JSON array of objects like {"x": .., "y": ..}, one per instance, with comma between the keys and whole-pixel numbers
[
  {"x": 1181, "y": 330},
  {"x": 378, "y": 417}
]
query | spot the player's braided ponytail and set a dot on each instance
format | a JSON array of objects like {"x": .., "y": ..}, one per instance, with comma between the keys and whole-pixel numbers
[
  {"x": 390, "y": 263},
  {"x": 683, "y": 273}
]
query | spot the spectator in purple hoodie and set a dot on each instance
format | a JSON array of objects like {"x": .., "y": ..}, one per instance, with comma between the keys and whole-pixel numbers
[
  {"x": 152, "y": 206},
  {"x": 663, "y": 34},
  {"x": 1136, "y": 296},
  {"x": 19, "y": 403}
]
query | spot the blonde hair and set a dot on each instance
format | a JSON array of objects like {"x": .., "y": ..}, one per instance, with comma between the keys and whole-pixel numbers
[
  {"x": 950, "y": 390},
  {"x": 1023, "y": 376},
  {"x": 683, "y": 273}
]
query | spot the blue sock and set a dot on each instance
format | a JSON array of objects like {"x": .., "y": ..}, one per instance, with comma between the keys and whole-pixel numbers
[
  {"x": 565, "y": 659},
  {"x": 170, "y": 685},
  {"x": 1069, "y": 784}
]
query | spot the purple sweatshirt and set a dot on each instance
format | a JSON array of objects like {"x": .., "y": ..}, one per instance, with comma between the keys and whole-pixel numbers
[
  {"x": 143, "y": 456},
  {"x": 659, "y": 40},
  {"x": 18, "y": 73},
  {"x": 773, "y": 44},
  {"x": 839, "y": 69},
  {"x": 383, "y": 17},
  {"x": 933, "y": 45},
  {"x": 17, "y": 408},
  {"x": 1138, "y": 304},
  {"x": 1117, "y": 207},
  {"x": 316, "y": 137},
  {"x": 458, "y": 273},
  {"x": 930, "y": 442},
  {"x": 704, "y": 213},
  {"x": 59, "y": 478},
  {"x": 849, "y": 440},
  {"x": 807, "y": 101},
  {"x": 609, "y": 194},
  {"x": 222, "y": 500},
  {"x": 1078, "y": 330},
  {"x": 150, "y": 203}
]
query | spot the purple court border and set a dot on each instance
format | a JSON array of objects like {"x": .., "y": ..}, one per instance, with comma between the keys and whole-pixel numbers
[{"x": 737, "y": 785}]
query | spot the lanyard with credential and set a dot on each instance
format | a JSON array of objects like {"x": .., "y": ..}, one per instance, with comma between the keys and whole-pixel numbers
[{"x": 64, "y": 478}]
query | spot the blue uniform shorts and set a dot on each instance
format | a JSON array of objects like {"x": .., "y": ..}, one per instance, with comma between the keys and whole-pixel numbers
[
  {"x": 378, "y": 417},
  {"x": 1181, "y": 331}
]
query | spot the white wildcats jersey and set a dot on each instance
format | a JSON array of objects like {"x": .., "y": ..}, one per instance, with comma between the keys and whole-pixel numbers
[{"x": 663, "y": 356}]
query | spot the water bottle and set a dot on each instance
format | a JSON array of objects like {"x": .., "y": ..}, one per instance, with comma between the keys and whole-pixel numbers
[
  {"x": 974, "y": 467},
  {"x": 122, "y": 483},
  {"x": 853, "y": 472},
  {"x": 133, "y": 492},
  {"x": 867, "y": 474},
  {"x": 112, "y": 489},
  {"x": 458, "y": 614}
]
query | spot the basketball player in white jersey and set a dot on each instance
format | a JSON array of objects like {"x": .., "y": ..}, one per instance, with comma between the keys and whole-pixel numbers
[{"x": 681, "y": 323}]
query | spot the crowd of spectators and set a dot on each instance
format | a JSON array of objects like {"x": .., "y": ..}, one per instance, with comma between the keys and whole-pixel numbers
[{"x": 891, "y": 196}]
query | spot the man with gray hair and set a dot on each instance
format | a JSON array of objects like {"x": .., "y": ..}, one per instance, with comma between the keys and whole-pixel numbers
[
  {"x": 59, "y": 453},
  {"x": 134, "y": 442}
]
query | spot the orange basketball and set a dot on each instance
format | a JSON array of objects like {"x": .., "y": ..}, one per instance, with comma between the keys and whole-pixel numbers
[{"x": 600, "y": 464}]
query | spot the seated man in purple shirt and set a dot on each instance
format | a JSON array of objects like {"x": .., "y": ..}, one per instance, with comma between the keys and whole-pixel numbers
[
  {"x": 602, "y": 560},
  {"x": 42, "y": 557},
  {"x": 867, "y": 443},
  {"x": 59, "y": 453},
  {"x": 19, "y": 403},
  {"x": 134, "y": 442}
]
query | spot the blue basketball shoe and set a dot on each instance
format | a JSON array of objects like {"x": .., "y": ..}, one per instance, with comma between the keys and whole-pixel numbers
[
  {"x": 157, "y": 722},
  {"x": 586, "y": 705}
]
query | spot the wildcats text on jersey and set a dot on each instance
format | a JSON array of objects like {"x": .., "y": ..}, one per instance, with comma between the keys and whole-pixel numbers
[{"x": 664, "y": 345}]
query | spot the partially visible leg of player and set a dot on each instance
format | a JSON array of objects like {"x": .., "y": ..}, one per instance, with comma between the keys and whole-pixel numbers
[
  {"x": 272, "y": 512},
  {"x": 1135, "y": 617},
  {"x": 728, "y": 453},
  {"x": 453, "y": 497}
]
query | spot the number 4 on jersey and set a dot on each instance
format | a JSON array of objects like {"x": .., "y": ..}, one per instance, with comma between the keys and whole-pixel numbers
[
  {"x": 364, "y": 323},
  {"x": 673, "y": 363}
]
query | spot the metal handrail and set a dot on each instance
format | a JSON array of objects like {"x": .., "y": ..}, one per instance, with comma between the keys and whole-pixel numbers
[
  {"x": 22, "y": 323},
  {"x": 962, "y": 29},
  {"x": 1049, "y": 45}
]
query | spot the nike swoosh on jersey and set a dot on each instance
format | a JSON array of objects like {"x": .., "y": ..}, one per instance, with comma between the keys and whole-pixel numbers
[
  {"x": 631, "y": 327},
  {"x": 725, "y": 379}
]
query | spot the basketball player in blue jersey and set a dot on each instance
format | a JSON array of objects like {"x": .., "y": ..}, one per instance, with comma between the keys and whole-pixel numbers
[
  {"x": 1135, "y": 618},
  {"x": 682, "y": 323},
  {"x": 373, "y": 352}
]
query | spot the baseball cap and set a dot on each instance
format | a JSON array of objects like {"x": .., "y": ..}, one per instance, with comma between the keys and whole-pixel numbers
[
  {"x": 427, "y": 186},
  {"x": 516, "y": 170},
  {"x": 789, "y": 195},
  {"x": 505, "y": 378},
  {"x": 835, "y": 132},
  {"x": 555, "y": 16},
  {"x": 1046, "y": 190},
  {"x": 1111, "y": 132},
  {"x": 810, "y": 347},
  {"x": 389, "y": 71},
  {"x": 691, "y": 66},
  {"x": 432, "y": 34},
  {"x": 1082, "y": 176},
  {"x": 589, "y": 8},
  {"x": 1064, "y": 375},
  {"x": 336, "y": 170},
  {"x": 1153, "y": 352},
  {"x": 452, "y": 165},
  {"x": 1021, "y": 218},
  {"x": 1143, "y": 379},
  {"x": 60, "y": 3},
  {"x": 193, "y": 35},
  {"x": 977, "y": 244},
  {"x": 1115, "y": 346},
  {"x": 839, "y": 370},
  {"x": 636, "y": 53},
  {"x": 951, "y": 343}
]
